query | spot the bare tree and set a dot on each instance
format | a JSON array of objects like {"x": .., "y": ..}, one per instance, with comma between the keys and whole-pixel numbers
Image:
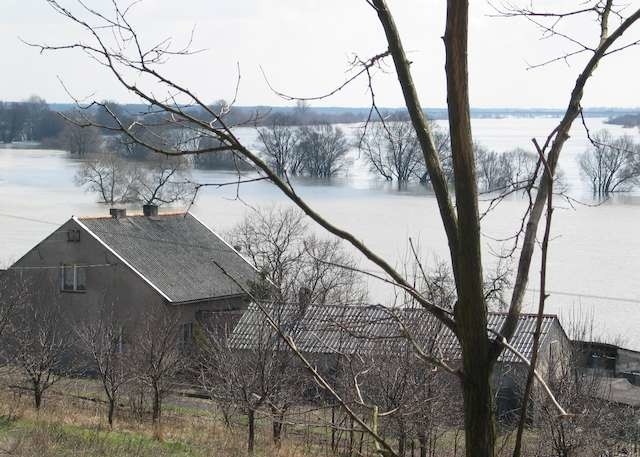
[
  {"x": 101, "y": 339},
  {"x": 156, "y": 357},
  {"x": 110, "y": 176},
  {"x": 11, "y": 299},
  {"x": 611, "y": 164},
  {"x": 461, "y": 222},
  {"x": 38, "y": 342},
  {"x": 391, "y": 147},
  {"x": 392, "y": 150},
  {"x": 280, "y": 146},
  {"x": 322, "y": 150},
  {"x": 504, "y": 171},
  {"x": 600, "y": 428},
  {"x": 163, "y": 181},
  {"x": 261, "y": 377},
  {"x": 220, "y": 160},
  {"x": 116, "y": 180},
  {"x": 79, "y": 140},
  {"x": 278, "y": 242}
]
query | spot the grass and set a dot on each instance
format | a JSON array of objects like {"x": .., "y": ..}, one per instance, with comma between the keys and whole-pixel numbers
[{"x": 70, "y": 426}]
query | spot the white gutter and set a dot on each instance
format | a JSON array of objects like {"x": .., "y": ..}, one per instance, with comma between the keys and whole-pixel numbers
[{"x": 131, "y": 267}]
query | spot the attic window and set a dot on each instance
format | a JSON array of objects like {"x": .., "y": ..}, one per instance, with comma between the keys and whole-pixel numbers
[
  {"x": 73, "y": 235},
  {"x": 72, "y": 278}
]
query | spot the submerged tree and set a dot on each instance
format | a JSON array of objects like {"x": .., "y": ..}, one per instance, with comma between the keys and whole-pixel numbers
[
  {"x": 163, "y": 181},
  {"x": 461, "y": 222},
  {"x": 154, "y": 182},
  {"x": 79, "y": 139},
  {"x": 322, "y": 150},
  {"x": 110, "y": 176},
  {"x": 392, "y": 149},
  {"x": 611, "y": 164},
  {"x": 280, "y": 146}
]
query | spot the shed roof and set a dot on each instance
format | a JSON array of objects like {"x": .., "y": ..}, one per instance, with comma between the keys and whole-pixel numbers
[
  {"x": 373, "y": 329},
  {"x": 175, "y": 253}
]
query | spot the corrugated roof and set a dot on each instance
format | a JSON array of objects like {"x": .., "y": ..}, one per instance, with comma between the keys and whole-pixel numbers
[
  {"x": 372, "y": 329},
  {"x": 175, "y": 253}
]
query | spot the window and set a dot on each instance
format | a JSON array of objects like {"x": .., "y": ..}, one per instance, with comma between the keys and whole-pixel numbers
[
  {"x": 72, "y": 278},
  {"x": 73, "y": 235},
  {"x": 187, "y": 332}
]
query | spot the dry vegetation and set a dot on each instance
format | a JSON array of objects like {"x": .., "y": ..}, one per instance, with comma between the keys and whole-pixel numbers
[{"x": 73, "y": 426}]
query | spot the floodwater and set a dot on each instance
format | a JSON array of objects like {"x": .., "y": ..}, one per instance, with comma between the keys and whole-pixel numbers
[{"x": 594, "y": 259}]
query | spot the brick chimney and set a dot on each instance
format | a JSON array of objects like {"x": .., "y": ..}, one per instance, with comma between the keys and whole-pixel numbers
[
  {"x": 117, "y": 213},
  {"x": 150, "y": 210},
  {"x": 304, "y": 299}
]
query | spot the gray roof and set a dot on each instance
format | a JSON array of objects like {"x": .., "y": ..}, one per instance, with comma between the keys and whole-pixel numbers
[
  {"x": 175, "y": 254},
  {"x": 352, "y": 329}
]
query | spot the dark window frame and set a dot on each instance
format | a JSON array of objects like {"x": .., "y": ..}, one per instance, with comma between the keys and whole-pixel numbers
[
  {"x": 73, "y": 236},
  {"x": 76, "y": 282}
]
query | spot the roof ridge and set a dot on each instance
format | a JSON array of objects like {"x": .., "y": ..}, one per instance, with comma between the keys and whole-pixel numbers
[
  {"x": 400, "y": 308},
  {"x": 92, "y": 218}
]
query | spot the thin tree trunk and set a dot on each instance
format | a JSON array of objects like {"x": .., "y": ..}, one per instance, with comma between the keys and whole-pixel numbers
[
  {"x": 112, "y": 408},
  {"x": 156, "y": 414},
  {"x": 351, "y": 436},
  {"x": 538, "y": 330},
  {"x": 402, "y": 440},
  {"x": 37, "y": 396},
  {"x": 422, "y": 439},
  {"x": 251, "y": 419},
  {"x": 333, "y": 428},
  {"x": 277, "y": 425}
]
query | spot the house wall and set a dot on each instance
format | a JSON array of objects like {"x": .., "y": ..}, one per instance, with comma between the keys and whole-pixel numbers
[
  {"x": 628, "y": 365},
  {"x": 555, "y": 355}
]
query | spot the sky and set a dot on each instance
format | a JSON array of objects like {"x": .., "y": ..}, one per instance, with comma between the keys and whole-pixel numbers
[{"x": 305, "y": 48}]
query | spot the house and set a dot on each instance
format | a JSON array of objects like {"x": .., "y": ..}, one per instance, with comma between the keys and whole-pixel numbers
[
  {"x": 616, "y": 369},
  {"x": 138, "y": 263},
  {"x": 608, "y": 360},
  {"x": 330, "y": 332}
]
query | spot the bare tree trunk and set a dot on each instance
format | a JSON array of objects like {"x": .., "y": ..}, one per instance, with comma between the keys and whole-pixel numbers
[
  {"x": 278, "y": 425},
  {"x": 478, "y": 409},
  {"x": 517, "y": 451},
  {"x": 471, "y": 309},
  {"x": 333, "y": 428},
  {"x": 112, "y": 408},
  {"x": 402, "y": 439},
  {"x": 351, "y": 436},
  {"x": 37, "y": 396},
  {"x": 422, "y": 439},
  {"x": 251, "y": 419},
  {"x": 156, "y": 413}
]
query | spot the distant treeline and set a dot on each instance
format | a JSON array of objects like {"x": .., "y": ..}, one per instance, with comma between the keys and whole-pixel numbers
[
  {"x": 37, "y": 121},
  {"x": 626, "y": 120},
  {"x": 31, "y": 120}
]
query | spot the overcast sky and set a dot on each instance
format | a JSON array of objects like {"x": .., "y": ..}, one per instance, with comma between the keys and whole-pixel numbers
[{"x": 305, "y": 47}]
